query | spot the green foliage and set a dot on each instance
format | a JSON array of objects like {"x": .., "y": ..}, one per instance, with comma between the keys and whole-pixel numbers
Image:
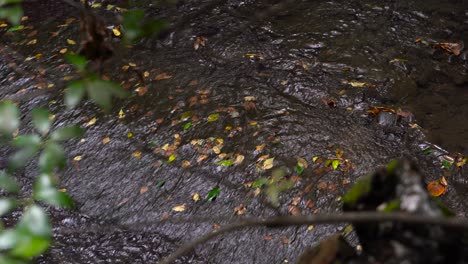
[
  {"x": 11, "y": 10},
  {"x": 9, "y": 117},
  {"x": 362, "y": 187},
  {"x": 225, "y": 163},
  {"x": 136, "y": 26},
  {"x": 213, "y": 194},
  {"x": 299, "y": 169},
  {"x": 32, "y": 235}
]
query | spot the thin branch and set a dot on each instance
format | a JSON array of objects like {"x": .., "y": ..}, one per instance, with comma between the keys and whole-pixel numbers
[{"x": 364, "y": 217}]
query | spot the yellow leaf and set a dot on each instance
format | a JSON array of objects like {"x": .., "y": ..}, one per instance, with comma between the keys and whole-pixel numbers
[
  {"x": 179, "y": 208},
  {"x": 3, "y": 25},
  {"x": 357, "y": 84},
  {"x": 129, "y": 134},
  {"x": 96, "y": 5},
  {"x": 116, "y": 32},
  {"x": 37, "y": 56},
  {"x": 137, "y": 154},
  {"x": 106, "y": 140},
  {"x": 268, "y": 164},
  {"x": 228, "y": 128},
  {"x": 213, "y": 117},
  {"x": 132, "y": 64},
  {"x": 172, "y": 158},
  {"x": 77, "y": 158},
  {"x": 310, "y": 227},
  {"x": 249, "y": 98},
  {"x": 260, "y": 147},
  {"x": 146, "y": 74},
  {"x": 71, "y": 42},
  {"x": 239, "y": 159},
  {"x": 302, "y": 162},
  {"x": 125, "y": 67},
  {"x": 64, "y": 50},
  {"x": 51, "y": 117},
  {"x": 32, "y": 42},
  {"x": 314, "y": 159},
  {"x": 91, "y": 122},
  {"x": 121, "y": 114},
  {"x": 24, "y": 18},
  {"x": 62, "y": 190},
  {"x": 196, "y": 197},
  {"x": 217, "y": 149}
]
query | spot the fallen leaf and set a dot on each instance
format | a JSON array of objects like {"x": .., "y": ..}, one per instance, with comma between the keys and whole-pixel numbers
[
  {"x": 268, "y": 164},
  {"x": 121, "y": 114},
  {"x": 137, "y": 154},
  {"x": 162, "y": 76},
  {"x": 105, "y": 140},
  {"x": 240, "y": 210},
  {"x": 454, "y": 48},
  {"x": 116, "y": 32},
  {"x": 302, "y": 162},
  {"x": 294, "y": 210},
  {"x": 239, "y": 159},
  {"x": 71, "y": 42},
  {"x": 32, "y": 42},
  {"x": 179, "y": 208},
  {"x": 267, "y": 237},
  {"x": 129, "y": 134},
  {"x": 141, "y": 90},
  {"x": 213, "y": 117},
  {"x": 435, "y": 188},
  {"x": 77, "y": 158},
  {"x": 171, "y": 158},
  {"x": 225, "y": 163},
  {"x": 143, "y": 189},
  {"x": 91, "y": 122},
  {"x": 196, "y": 197}
]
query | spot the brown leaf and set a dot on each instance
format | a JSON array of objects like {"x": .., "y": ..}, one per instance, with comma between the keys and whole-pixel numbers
[
  {"x": 162, "y": 76},
  {"x": 143, "y": 189},
  {"x": 330, "y": 102},
  {"x": 454, "y": 48},
  {"x": 294, "y": 210},
  {"x": 240, "y": 210},
  {"x": 267, "y": 237}
]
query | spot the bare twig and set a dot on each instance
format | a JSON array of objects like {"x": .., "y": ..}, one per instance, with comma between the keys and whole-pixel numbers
[{"x": 361, "y": 217}]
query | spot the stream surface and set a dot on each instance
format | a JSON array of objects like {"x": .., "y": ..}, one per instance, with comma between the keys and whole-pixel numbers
[{"x": 286, "y": 64}]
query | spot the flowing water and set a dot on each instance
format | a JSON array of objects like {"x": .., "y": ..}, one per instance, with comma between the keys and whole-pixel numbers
[{"x": 282, "y": 86}]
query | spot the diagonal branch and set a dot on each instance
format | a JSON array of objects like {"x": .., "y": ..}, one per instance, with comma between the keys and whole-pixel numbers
[{"x": 284, "y": 221}]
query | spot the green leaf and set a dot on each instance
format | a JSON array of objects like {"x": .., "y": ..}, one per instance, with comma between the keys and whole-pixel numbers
[
  {"x": 361, "y": 188},
  {"x": 132, "y": 23},
  {"x": 187, "y": 125},
  {"x": 213, "y": 117},
  {"x": 447, "y": 164},
  {"x": 225, "y": 163},
  {"x": 12, "y": 14},
  {"x": 213, "y": 194},
  {"x": 260, "y": 182},
  {"x": 74, "y": 93},
  {"x": 9, "y": 117},
  {"x": 335, "y": 163},
  {"x": 101, "y": 92},
  {"x": 428, "y": 151},
  {"x": 186, "y": 115},
  {"x": 7, "y": 183},
  {"x": 52, "y": 157},
  {"x": 7, "y": 204},
  {"x": 160, "y": 183},
  {"x": 45, "y": 190},
  {"x": 32, "y": 235},
  {"x": 29, "y": 145},
  {"x": 77, "y": 60},
  {"x": 15, "y": 28},
  {"x": 41, "y": 120},
  {"x": 9, "y": 260},
  {"x": 299, "y": 169},
  {"x": 35, "y": 222},
  {"x": 65, "y": 133}
]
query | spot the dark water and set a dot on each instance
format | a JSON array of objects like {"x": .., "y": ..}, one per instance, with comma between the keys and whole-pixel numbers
[{"x": 308, "y": 52}]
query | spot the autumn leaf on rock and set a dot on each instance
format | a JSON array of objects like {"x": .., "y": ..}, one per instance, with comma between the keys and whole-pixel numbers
[
  {"x": 213, "y": 117},
  {"x": 196, "y": 197},
  {"x": 240, "y": 210}
]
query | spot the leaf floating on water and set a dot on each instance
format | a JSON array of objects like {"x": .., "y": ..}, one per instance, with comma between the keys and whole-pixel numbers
[
  {"x": 213, "y": 194},
  {"x": 137, "y": 154},
  {"x": 91, "y": 122},
  {"x": 162, "y": 76},
  {"x": 196, "y": 197},
  {"x": 436, "y": 188},
  {"x": 268, "y": 164},
  {"x": 105, "y": 140},
  {"x": 213, "y": 117},
  {"x": 121, "y": 114},
  {"x": 179, "y": 208},
  {"x": 225, "y": 163},
  {"x": 171, "y": 158}
]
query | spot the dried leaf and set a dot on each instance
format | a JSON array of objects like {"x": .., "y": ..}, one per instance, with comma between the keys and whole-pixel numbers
[
  {"x": 239, "y": 159},
  {"x": 105, "y": 140},
  {"x": 71, "y": 42},
  {"x": 179, "y": 208},
  {"x": 143, "y": 189},
  {"x": 240, "y": 210},
  {"x": 435, "y": 188},
  {"x": 302, "y": 162},
  {"x": 162, "y": 76},
  {"x": 91, "y": 122},
  {"x": 137, "y": 154},
  {"x": 268, "y": 164},
  {"x": 213, "y": 117},
  {"x": 196, "y": 197}
]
